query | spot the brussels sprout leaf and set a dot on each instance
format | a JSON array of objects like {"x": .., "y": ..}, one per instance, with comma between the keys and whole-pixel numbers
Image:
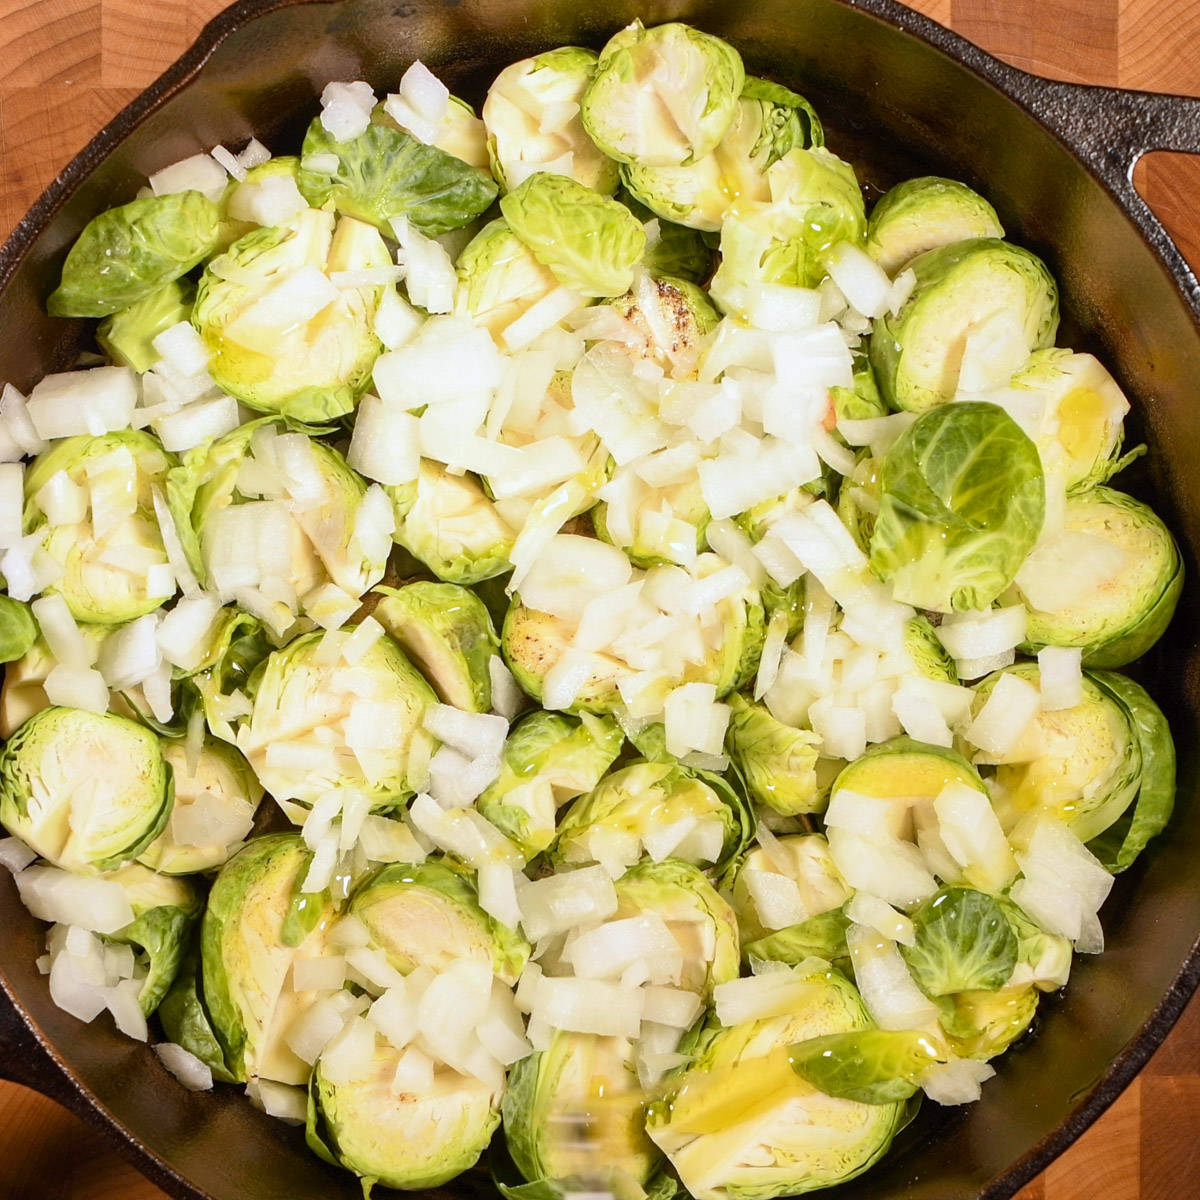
[
  {"x": 963, "y": 943},
  {"x": 871, "y": 1066}
]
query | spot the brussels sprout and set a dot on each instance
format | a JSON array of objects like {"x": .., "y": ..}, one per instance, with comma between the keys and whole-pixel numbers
[
  {"x": 590, "y": 242},
  {"x": 236, "y": 645},
  {"x": 126, "y": 253},
  {"x": 88, "y": 792},
  {"x": 815, "y": 203},
  {"x": 186, "y": 1022},
  {"x": 963, "y": 943},
  {"x": 548, "y": 759},
  {"x": 1082, "y": 764},
  {"x": 674, "y": 317},
  {"x": 664, "y": 808},
  {"x": 822, "y": 936},
  {"x": 447, "y": 632},
  {"x": 961, "y": 505},
  {"x": 385, "y": 173},
  {"x": 862, "y": 402},
  {"x": 917, "y": 353},
  {"x": 767, "y": 122},
  {"x": 981, "y": 1025},
  {"x": 269, "y": 346},
  {"x": 928, "y": 654},
  {"x": 451, "y": 525},
  {"x": 23, "y": 692},
  {"x": 1107, "y": 583},
  {"x": 777, "y": 762},
  {"x": 1043, "y": 959},
  {"x": 700, "y": 920},
  {"x": 256, "y": 920},
  {"x": 869, "y": 1066},
  {"x": 501, "y": 279},
  {"x": 925, "y": 213},
  {"x": 165, "y": 910},
  {"x": 309, "y": 732},
  {"x": 213, "y": 811},
  {"x": 740, "y": 1124},
  {"x": 574, "y": 1105},
  {"x": 408, "y": 1140},
  {"x": 656, "y": 541},
  {"x": 463, "y": 134},
  {"x": 662, "y": 97},
  {"x": 903, "y": 768},
  {"x": 127, "y": 336},
  {"x": 533, "y": 123},
  {"x": 105, "y": 557},
  {"x": 818, "y": 888},
  {"x": 858, "y": 500},
  {"x": 1082, "y": 419},
  {"x": 18, "y": 631}
]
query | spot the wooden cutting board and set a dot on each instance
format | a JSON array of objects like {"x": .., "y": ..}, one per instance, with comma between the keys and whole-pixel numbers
[{"x": 66, "y": 66}]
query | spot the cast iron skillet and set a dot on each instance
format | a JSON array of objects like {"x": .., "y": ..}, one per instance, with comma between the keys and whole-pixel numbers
[{"x": 902, "y": 96}]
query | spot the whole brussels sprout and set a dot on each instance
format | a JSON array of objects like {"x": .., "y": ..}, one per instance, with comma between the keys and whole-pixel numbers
[
  {"x": 127, "y": 253},
  {"x": 662, "y": 97},
  {"x": 1107, "y": 583},
  {"x": 548, "y": 759},
  {"x": 428, "y": 914},
  {"x": 105, "y": 557},
  {"x": 768, "y": 121},
  {"x": 501, "y": 278},
  {"x": 925, "y": 213},
  {"x": 309, "y": 733},
  {"x": 89, "y": 792},
  {"x": 777, "y": 762},
  {"x": 385, "y": 174},
  {"x": 590, "y": 242},
  {"x": 533, "y": 122},
  {"x": 127, "y": 335},
  {"x": 282, "y": 337},
  {"x": 918, "y": 351}
]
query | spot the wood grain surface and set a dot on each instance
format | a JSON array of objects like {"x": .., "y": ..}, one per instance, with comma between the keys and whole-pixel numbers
[{"x": 67, "y": 66}]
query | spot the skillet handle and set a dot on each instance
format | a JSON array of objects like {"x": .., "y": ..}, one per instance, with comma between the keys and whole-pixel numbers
[{"x": 25, "y": 1060}]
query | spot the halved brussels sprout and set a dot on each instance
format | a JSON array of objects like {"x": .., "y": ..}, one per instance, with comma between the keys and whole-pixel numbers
[
  {"x": 18, "y": 632},
  {"x": 925, "y": 213},
  {"x": 105, "y": 556},
  {"x": 1081, "y": 764},
  {"x": 822, "y": 936},
  {"x": 127, "y": 336},
  {"x": 88, "y": 792},
  {"x": 548, "y": 759},
  {"x": 657, "y": 538},
  {"x": 815, "y": 203},
  {"x": 533, "y": 123},
  {"x": 500, "y": 278},
  {"x": 777, "y": 762},
  {"x": 904, "y": 769},
  {"x": 961, "y": 505},
  {"x": 1082, "y": 419},
  {"x": 237, "y": 643},
  {"x": 980, "y": 1025},
  {"x": 811, "y": 887},
  {"x": 463, "y": 134},
  {"x": 928, "y": 654},
  {"x": 964, "y": 943},
  {"x": 661, "y": 808},
  {"x": 447, "y": 632},
  {"x": 283, "y": 337},
  {"x": 256, "y": 920},
  {"x": 311, "y": 526},
  {"x": 674, "y": 317},
  {"x": 740, "y": 1124},
  {"x": 23, "y": 693},
  {"x": 310, "y": 732},
  {"x": 767, "y": 122},
  {"x": 662, "y": 97},
  {"x": 590, "y": 242},
  {"x": 1107, "y": 583},
  {"x": 574, "y": 1106},
  {"x": 428, "y": 915},
  {"x": 918, "y": 352},
  {"x": 451, "y": 524},
  {"x": 407, "y": 1139},
  {"x": 699, "y": 919},
  {"x": 385, "y": 173},
  {"x": 164, "y": 913},
  {"x": 213, "y": 811},
  {"x": 862, "y": 402},
  {"x": 128, "y": 252}
]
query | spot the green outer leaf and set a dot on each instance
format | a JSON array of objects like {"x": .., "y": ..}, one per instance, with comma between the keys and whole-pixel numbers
[
  {"x": 822, "y": 936},
  {"x": 963, "y": 943},
  {"x": 962, "y": 504},
  {"x": 127, "y": 336},
  {"x": 871, "y": 1066},
  {"x": 1122, "y": 842},
  {"x": 126, "y": 253},
  {"x": 163, "y": 933},
  {"x": 777, "y": 762},
  {"x": 186, "y": 1023},
  {"x": 18, "y": 629},
  {"x": 590, "y": 242},
  {"x": 385, "y": 173}
]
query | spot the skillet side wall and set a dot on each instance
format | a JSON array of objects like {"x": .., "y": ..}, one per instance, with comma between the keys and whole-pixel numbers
[{"x": 880, "y": 89}]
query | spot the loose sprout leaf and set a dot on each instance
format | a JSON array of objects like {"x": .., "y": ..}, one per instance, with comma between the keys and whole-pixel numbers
[
  {"x": 964, "y": 943},
  {"x": 871, "y": 1066},
  {"x": 18, "y": 630},
  {"x": 961, "y": 506}
]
